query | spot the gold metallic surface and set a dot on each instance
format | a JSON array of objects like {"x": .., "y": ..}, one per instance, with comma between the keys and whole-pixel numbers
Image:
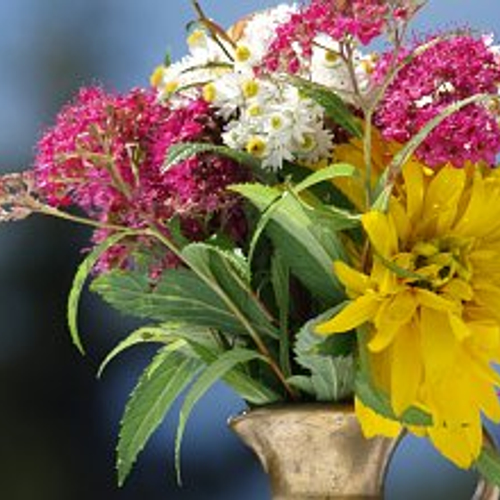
[{"x": 318, "y": 452}]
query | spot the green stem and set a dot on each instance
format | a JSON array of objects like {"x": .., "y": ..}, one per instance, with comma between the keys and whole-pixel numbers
[
  {"x": 367, "y": 153},
  {"x": 261, "y": 346},
  {"x": 212, "y": 28},
  {"x": 364, "y": 361},
  {"x": 54, "y": 212},
  {"x": 347, "y": 55},
  {"x": 285, "y": 346}
]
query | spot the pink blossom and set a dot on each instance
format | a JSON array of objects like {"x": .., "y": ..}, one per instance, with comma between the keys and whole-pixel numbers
[
  {"x": 446, "y": 72},
  {"x": 106, "y": 153},
  {"x": 363, "y": 20}
]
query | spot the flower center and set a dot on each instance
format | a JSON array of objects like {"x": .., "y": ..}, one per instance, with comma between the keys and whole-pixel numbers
[{"x": 436, "y": 262}]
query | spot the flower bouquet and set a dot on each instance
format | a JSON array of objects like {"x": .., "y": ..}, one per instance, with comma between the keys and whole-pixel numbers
[{"x": 298, "y": 214}]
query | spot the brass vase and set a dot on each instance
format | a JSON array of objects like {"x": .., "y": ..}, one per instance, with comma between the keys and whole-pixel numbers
[{"x": 318, "y": 452}]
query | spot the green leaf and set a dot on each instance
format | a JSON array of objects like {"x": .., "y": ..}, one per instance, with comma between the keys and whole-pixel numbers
[
  {"x": 303, "y": 383},
  {"x": 214, "y": 294},
  {"x": 81, "y": 276},
  {"x": 332, "y": 377},
  {"x": 334, "y": 106},
  {"x": 150, "y": 401},
  {"x": 179, "y": 296},
  {"x": 185, "y": 150},
  {"x": 280, "y": 279},
  {"x": 488, "y": 465},
  {"x": 145, "y": 335},
  {"x": 379, "y": 402},
  {"x": 325, "y": 174},
  {"x": 305, "y": 241},
  {"x": 229, "y": 276},
  {"x": 214, "y": 372},
  {"x": 203, "y": 346},
  {"x": 250, "y": 389}
]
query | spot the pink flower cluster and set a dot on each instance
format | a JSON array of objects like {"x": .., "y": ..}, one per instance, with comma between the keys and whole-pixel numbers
[
  {"x": 106, "y": 152},
  {"x": 361, "y": 19},
  {"x": 445, "y": 72}
]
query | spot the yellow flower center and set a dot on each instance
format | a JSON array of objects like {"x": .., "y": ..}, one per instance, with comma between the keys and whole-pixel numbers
[
  {"x": 209, "y": 92},
  {"x": 437, "y": 262},
  {"x": 171, "y": 87},
  {"x": 308, "y": 143},
  {"x": 250, "y": 88},
  {"x": 276, "y": 122},
  {"x": 156, "y": 77},
  {"x": 331, "y": 57},
  {"x": 242, "y": 53},
  {"x": 196, "y": 38},
  {"x": 255, "y": 110},
  {"x": 256, "y": 146}
]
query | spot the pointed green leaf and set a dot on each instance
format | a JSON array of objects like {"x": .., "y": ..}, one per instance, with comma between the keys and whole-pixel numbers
[
  {"x": 213, "y": 373},
  {"x": 250, "y": 389},
  {"x": 179, "y": 296},
  {"x": 280, "y": 279},
  {"x": 304, "y": 384},
  {"x": 306, "y": 239},
  {"x": 215, "y": 293},
  {"x": 81, "y": 276},
  {"x": 332, "y": 376},
  {"x": 185, "y": 150},
  {"x": 143, "y": 335},
  {"x": 203, "y": 346},
  {"x": 229, "y": 276},
  {"x": 325, "y": 174},
  {"x": 149, "y": 403},
  {"x": 488, "y": 465}
]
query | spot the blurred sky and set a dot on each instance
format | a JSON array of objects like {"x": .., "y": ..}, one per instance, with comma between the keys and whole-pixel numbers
[{"x": 57, "y": 423}]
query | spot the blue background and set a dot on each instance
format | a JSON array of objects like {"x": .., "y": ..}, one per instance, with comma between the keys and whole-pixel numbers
[{"x": 58, "y": 424}]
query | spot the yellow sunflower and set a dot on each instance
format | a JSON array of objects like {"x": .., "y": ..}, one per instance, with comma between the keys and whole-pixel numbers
[
  {"x": 352, "y": 152},
  {"x": 432, "y": 302}
]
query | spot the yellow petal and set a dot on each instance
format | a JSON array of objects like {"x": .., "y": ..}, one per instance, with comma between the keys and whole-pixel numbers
[
  {"x": 472, "y": 221},
  {"x": 407, "y": 369},
  {"x": 460, "y": 444},
  {"x": 480, "y": 368},
  {"x": 439, "y": 346},
  {"x": 386, "y": 280},
  {"x": 373, "y": 424},
  {"x": 487, "y": 400},
  {"x": 381, "y": 231},
  {"x": 433, "y": 301},
  {"x": 414, "y": 180},
  {"x": 460, "y": 329},
  {"x": 396, "y": 314},
  {"x": 353, "y": 280},
  {"x": 488, "y": 295},
  {"x": 442, "y": 197},
  {"x": 485, "y": 334},
  {"x": 458, "y": 289},
  {"x": 401, "y": 220},
  {"x": 356, "y": 313}
]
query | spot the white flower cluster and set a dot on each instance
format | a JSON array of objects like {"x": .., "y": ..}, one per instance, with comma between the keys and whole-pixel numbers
[{"x": 264, "y": 116}]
